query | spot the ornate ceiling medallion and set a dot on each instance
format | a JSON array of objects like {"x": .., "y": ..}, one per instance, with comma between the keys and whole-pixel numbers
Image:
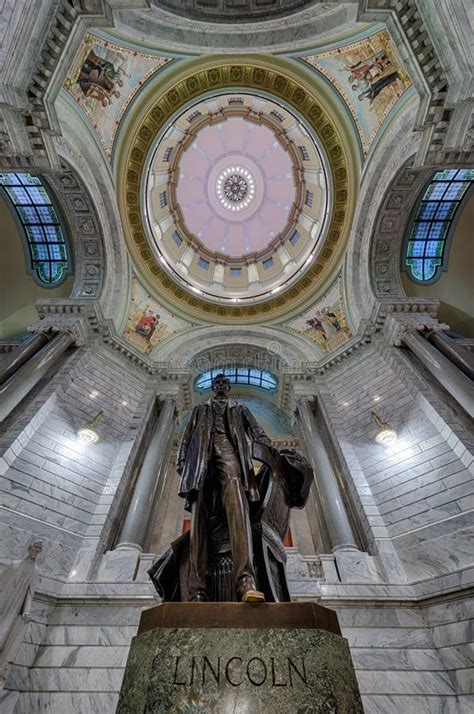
[
  {"x": 278, "y": 161},
  {"x": 235, "y": 188}
]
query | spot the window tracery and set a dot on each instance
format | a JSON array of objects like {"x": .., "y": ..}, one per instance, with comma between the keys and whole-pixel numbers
[
  {"x": 238, "y": 375},
  {"x": 425, "y": 254},
  {"x": 48, "y": 252}
]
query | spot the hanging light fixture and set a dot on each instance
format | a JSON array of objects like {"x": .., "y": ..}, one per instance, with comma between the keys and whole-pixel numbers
[
  {"x": 385, "y": 435},
  {"x": 87, "y": 433}
]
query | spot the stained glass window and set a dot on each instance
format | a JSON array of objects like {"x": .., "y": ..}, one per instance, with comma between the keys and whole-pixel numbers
[
  {"x": 48, "y": 252},
  {"x": 426, "y": 245},
  {"x": 238, "y": 375}
]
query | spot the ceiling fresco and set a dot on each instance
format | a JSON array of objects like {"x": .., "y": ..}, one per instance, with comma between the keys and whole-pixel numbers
[
  {"x": 326, "y": 321},
  {"x": 104, "y": 78},
  {"x": 370, "y": 77},
  {"x": 149, "y": 323}
]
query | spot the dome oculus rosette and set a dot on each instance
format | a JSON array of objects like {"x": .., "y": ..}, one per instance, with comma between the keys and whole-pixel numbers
[{"x": 237, "y": 197}]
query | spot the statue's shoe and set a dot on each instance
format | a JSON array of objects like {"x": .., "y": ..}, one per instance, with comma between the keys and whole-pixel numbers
[
  {"x": 199, "y": 597},
  {"x": 253, "y": 596}
]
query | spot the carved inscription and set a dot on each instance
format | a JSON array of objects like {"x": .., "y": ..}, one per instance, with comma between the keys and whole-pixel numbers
[{"x": 235, "y": 671}]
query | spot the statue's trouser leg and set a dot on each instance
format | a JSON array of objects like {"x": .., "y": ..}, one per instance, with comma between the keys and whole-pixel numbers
[
  {"x": 198, "y": 547},
  {"x": 236, "y": 506}
]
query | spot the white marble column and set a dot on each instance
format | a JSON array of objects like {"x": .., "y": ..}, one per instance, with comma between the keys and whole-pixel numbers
[
  {"x": 21, "y": 354},
  {"x": 341, "y": 534},
  {"x": 141, "y": 505},
  {"x": 28, "y": 376},
  {"x": 448, "y": 375},
  {"x": 459, "y": 356}
]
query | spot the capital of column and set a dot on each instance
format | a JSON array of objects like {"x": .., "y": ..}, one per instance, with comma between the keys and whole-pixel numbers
[
  {"x": 301, "y": 392},
  {"x": 398, "y": 323},
  {"x": 170, "y": 392}
]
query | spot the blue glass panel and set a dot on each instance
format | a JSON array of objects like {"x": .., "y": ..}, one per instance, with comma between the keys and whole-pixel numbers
[
  {"x": 445, "y": 210},
  {"x": 445, "y": 175},
  {"x": 8, "y": 179},
  {"x": 416, "y": 267},
  {"x": 430, "y": 266},
  {"x": 432, "y": 247},
  {"x": 38, "y": 195},
  {"x": 439, "y": 230},
  {"x": 28, "y": 214},
  {"x": 40, "y": 251},
  {"x": 28, "y": 180},
  {"x": 427, "y": 210},
  {"x": 18, "y": 194},
  {"x": 35, "y": 234},
  {"x": 435, "y": 190},
  {"x": 420, "y": 230},
  {"x": 47, "y": 214},
  {"x": 465, "y": 174},
  {"x": 456, "y": 190}
]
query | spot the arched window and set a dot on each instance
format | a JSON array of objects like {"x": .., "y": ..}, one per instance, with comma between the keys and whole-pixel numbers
[
  {"x": 238, "y": 375},
  {"x": 49, "y": 259},
  {"x": 426, "y": 255}
]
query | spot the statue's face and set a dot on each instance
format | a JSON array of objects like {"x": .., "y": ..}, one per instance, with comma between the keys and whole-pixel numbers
[
  {"x": 35, "y": 548},
  {"x": 221, "y": 385}
]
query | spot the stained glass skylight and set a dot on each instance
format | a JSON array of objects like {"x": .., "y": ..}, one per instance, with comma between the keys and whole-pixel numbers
[
  {"x": 426, "y": 245},
  {"x": 44, "y": 235},
  {"x": 237, "y": 375}
]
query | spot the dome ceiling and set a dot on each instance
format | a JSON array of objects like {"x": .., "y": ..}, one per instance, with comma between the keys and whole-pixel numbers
[
  {"x": 236, "y": 197},
  {"x": 236, "y": 185}
]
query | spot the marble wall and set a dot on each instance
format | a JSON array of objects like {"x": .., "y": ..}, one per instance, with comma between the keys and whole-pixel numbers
[{"x": 403, "y": 606}]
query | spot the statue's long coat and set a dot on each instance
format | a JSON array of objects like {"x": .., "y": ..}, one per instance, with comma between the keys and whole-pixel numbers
[{"x": 195, "y": 450}]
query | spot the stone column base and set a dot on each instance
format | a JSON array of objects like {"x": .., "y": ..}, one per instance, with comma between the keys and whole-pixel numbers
[{"x": 215, "y": 658}]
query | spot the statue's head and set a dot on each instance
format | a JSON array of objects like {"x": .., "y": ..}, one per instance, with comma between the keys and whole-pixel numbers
[
  {"x": 34, "y": 549},
  {"x": 221, "y": 385}
]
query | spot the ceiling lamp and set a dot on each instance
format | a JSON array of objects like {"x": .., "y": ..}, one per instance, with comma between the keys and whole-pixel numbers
[
  {"x": 385, "y": 435},
  {"x": 87, "y": 433}
]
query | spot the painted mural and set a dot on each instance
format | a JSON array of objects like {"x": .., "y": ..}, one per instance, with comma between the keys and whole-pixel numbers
[
  {"x": 325, "y": 322},
  {"x": 148, "y": 322},
  {"x": 371, "y": 78},
  {"x": 104, "y": 78}
]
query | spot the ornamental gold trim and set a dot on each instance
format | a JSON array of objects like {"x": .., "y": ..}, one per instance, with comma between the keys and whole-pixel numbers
[{"x": 240, "y": 75}]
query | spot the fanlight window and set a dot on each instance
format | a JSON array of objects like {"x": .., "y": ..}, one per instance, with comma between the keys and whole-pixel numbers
[
  {"x": 426, "y": 246},
  {"x": 238, "y": 375},
  {"x": 48, "y": 253}
]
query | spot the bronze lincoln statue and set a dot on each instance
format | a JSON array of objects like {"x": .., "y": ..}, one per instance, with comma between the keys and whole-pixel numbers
[
  {"x": 239, "y": 518},
  {"x": 214, "y": 458}
]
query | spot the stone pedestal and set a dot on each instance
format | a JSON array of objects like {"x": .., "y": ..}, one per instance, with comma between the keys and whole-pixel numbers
[{"x": 216, "y": 658}]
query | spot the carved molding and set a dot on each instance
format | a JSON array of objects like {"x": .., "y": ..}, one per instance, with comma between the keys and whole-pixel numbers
[
  {"x": 389, "y": 230},
  {"x": 437, "y": 147},
  {"x": 86, "y": 236},
  {"x": 231, "y": 11},
  {"x": 28, "y": 120}
]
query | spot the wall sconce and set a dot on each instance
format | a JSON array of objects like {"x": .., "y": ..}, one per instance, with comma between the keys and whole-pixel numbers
[
  {"x": 385, "y": 435},
  {"x": 87, "y": 433}
]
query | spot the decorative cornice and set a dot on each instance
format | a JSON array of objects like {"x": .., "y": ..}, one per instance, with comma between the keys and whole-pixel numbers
[{"x": 230, "y": 73}]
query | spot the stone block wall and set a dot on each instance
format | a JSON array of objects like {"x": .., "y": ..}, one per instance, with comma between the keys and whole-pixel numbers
[
  {"x": 51, "y": 485},
  {"x": 418, "y": 496}
]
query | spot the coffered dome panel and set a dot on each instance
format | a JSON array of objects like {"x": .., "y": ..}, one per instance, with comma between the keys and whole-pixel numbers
[{"x": 237, "y": 197}]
